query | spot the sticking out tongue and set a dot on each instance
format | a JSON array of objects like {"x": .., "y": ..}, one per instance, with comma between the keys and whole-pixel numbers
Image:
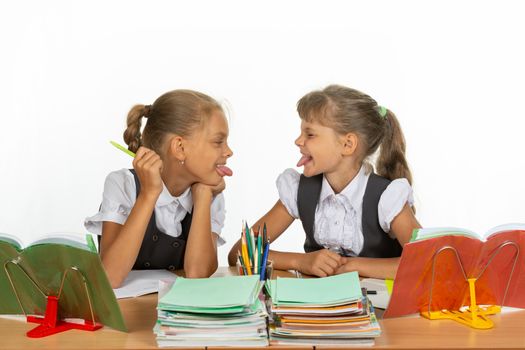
[
  {"x": 303, "y": 160},
  {"x": 223, "y": 170}
]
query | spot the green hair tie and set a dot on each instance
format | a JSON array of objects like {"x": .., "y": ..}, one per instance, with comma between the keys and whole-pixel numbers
[{"x": 382, "y": 111}]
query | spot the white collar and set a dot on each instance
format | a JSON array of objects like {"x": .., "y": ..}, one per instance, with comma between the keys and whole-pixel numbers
[
  {"x": 353, "y": 192},
  {"x": 185, "y": 199}
]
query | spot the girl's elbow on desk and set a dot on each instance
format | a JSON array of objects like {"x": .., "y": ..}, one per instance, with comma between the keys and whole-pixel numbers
[
  {"x": 115, "y": 284},
  {"x": 200, "y": 271},
  {"x": 114, "y": 277},
  {"x": 115, "y": 281}
]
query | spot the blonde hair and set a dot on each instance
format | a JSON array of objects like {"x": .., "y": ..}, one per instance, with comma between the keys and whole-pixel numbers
[
  {"x": 177, "y": 112},
  {"x": 348, "y": 110}
]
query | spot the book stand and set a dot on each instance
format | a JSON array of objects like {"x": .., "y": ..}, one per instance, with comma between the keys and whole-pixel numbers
[
  {"x": 50, "y": 323},
  {"x": 474, "y": 316}
]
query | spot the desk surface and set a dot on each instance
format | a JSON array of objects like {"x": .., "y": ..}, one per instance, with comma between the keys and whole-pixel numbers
[{"x": 401, "y": 333}]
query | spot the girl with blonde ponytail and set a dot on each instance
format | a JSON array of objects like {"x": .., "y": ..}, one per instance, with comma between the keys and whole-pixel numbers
[
  {"x": 354, "y": 219},
  {"x": 168, "y": 211}
]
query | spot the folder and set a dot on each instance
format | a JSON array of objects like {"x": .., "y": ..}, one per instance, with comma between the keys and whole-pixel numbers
[
  {"x": 213, "y": 295},
  {"x": 331, "y": 290}
]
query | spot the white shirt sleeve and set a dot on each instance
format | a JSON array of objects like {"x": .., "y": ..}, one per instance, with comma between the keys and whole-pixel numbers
[
  {"x": 392, "y": 202},
  {"x": 288, "y": 185},
  {"x": 117, "y": 200},
  {"x": 218, "y": 214}
]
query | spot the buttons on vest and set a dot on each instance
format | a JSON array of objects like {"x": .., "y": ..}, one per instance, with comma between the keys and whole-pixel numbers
[
  {"x": 155, "y": 238},
  {"x": 171, "y": 268},
  {"x": 175, "y": 244},
  {"x": 147, "y": 264}
]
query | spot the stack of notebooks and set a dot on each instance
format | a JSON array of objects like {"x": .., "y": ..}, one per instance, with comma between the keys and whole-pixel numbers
[
  {"x": 221, "y": 311},
  {"x": 321, "y": 311}
]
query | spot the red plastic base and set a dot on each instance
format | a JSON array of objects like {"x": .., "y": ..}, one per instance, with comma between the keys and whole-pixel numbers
[{"x": 50, "y": 325}]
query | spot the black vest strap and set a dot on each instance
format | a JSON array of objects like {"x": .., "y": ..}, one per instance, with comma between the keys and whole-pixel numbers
[
  {"x": 307, "y": 200},
  {"x": 160, "y": 250},
  {"x": 377, "y": 243}
]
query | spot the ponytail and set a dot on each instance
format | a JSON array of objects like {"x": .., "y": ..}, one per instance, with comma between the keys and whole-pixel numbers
[
  {"x": 132, "y": 135},
  {"x": 391, "y": 162},
  {"x": 178, "y": 112}
]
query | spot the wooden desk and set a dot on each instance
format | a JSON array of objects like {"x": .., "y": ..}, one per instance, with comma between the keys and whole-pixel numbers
[{"x": 400, "y": 333}]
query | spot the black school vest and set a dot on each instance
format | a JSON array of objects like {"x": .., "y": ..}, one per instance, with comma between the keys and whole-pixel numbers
[
  {"x": 377, "y": 243},
  {"x": 159, "y": 250}
]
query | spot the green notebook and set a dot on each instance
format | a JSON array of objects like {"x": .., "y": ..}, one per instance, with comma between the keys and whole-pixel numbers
[
  {"x": 270, "y": 288},
  {"x": 45, "y": 261},
  {"x": 316, "y": 291},
  {"x": 229, "y": 294}
]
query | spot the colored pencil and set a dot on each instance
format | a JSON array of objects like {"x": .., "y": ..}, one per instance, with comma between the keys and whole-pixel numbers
[{"x": 265, "y": 259}]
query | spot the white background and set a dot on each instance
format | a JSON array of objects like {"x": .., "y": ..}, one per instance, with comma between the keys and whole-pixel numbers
[{"x": 452, "y": 71}]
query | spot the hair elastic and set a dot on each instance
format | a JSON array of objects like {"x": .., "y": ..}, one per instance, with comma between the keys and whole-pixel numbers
[{"x": 382, "y": 111}]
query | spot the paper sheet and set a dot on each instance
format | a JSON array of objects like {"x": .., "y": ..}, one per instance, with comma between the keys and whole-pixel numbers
[
  {"x": 141, "y": 282},
  {"x": 382, "y": 297}
]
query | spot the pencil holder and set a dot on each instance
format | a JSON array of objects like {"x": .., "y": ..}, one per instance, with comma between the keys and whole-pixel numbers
[{"x": 268, "y": 273}]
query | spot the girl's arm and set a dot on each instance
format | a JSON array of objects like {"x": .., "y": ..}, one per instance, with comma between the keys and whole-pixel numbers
[
  {"x": 319, "y": 263},
  {"x": 200, "y": 258},
  {"x": 402, "y": 226},
  {"x": 120, "y": 244}
]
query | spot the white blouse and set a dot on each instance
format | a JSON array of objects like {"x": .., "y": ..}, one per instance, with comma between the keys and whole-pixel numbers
[
  {"x": 338, "y": 216},
  {"x": 119, "y": 197}
]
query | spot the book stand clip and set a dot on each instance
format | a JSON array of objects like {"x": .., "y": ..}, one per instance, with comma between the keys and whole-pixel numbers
[
  {"x": 474, "y": 316},
  {"x": 50, "y": 324}
]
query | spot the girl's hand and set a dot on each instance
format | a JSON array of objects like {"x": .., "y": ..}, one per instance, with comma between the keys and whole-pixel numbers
[
  {"x": 148, "y": 166},
  {"x": 201, "y": 191},
  {"x": 321, "y": 263},
  {"x": 347, "y": 266}
]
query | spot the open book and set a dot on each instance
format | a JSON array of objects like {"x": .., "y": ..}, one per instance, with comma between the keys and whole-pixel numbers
[
  {"x": 28, "y": 275},
  {"x": 436, "y": 262},
  {"x": 64, "y": 238},
  {"x": 425, "y": 233}
]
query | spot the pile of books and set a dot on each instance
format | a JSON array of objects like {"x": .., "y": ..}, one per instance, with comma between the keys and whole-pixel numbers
[
  {"x": 220, "y": 311},
  {"x": 321, "y": 311}
]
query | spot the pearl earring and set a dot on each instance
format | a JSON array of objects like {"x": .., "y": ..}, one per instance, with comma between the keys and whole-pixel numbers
[{"x": 181, "y": 162}]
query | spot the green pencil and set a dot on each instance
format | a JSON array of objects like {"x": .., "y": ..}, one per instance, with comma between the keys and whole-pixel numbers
[
  {"x": 122, "y": 148},
  {"x": 249, "y": 244},
  {"x": 241, "y": 261},
  {"x": 259, "y": 251}
]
